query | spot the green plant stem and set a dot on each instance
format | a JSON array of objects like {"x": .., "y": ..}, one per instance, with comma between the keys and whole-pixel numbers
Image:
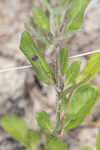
[
  {"x": 60, "y": 89},
  {"x": 68, "y": 107},
  {"x": 57, "y": 92},
  {"x": 71, "y": 90}
]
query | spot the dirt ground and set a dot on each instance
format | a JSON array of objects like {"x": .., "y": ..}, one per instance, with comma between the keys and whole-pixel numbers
[{"x": 21, "y": 93}]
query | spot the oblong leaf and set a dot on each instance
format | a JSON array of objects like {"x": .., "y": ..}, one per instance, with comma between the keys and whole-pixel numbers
[
  {"x": 41, "y": 20},
  {"x": 58, "y": 13},
  {"x": 16, "y": 127},
  {"x": 72, "y": 72},
  {"x": 55, "y": 143},
  {"x": 98, "y": 141},
  {"x": 91, "y": 69},
  {"x": 81, "y": 104},
  {"x": 32, "y": 138},
  {"x": 86, "y": 148},
  {"x": 39, "y": 64},
  {"x": 64, "y": 60},
  {"x": 76, "y": 14},
  {"x": 43, "y": 120}
]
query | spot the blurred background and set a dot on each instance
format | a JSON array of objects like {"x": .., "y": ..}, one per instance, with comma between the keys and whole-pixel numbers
[{"x": 21, "y": 93}]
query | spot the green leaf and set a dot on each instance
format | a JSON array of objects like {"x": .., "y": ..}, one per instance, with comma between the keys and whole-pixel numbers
[
  {"x": 54, "y": 143},
  {"x": 58, "y": 13},
  {"x": 63, "y": 1},
  {"x": 91, "y": 69},
  {"x": 76, "y": 14},
  {"x": 82, "y": 102},
  {"x": 46, "y": 148},
  {"x": 33, "y": 137},
  {"x": 43, "y": 120},
  {"x": 72, "y": 72},
  {"x": 41, "y": 20},
  {"x": 98, "y": 141},
  {"x": 64, "y": 60},
  {"x": 57, "y": 128},
  {"x": 16, "y": 127},
  {"x": 86, "y": 148},
  {"x": 39, "y": 64}
]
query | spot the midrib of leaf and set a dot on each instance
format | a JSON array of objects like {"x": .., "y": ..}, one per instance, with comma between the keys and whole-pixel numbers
[
  {"x": 81, "y": 109},
  {"x": 71, "y": 76},
  {"x": 64, "y": 61},
  {"x": 86, "y": 101},
  {"x": 42, "y": 73}
]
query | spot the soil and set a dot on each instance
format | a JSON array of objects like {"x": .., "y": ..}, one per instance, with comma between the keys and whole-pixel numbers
[{"x": 21, "y": 92}]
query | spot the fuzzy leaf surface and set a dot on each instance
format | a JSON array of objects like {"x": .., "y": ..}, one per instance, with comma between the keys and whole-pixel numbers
[
  {"x": 76, "y": 14},
  {"x": 54, "y": 143},
  {"x": 72, "y": 72},
  {"x": 91, "y": 69},
  {"x": 30, "y": 50},
  {"x": 16, "y": 127},
  {"x": 32, "y": 138},
  {"x": 64, "y": 60},
  {"x": 82, "y": 102},
  {"x": 40, "y": 19},
  {"x": 43, "y": 120}
]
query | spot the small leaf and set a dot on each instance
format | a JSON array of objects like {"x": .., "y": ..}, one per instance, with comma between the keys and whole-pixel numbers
[
  {"x": 63, "y": 1},
  {"x": 98, "y": 141},
  {"x": 33, "y": 137},
  {"x": 64, "y": 60},
  {"x": 86, "y": 148},
  {"x": 58, "y": 13},
  {"x": 76, "y": 14},
  {"x": 30, "y": 50},
  {"x": 46, "y": 148},
  {"x": 16, "y": 127},
  {"x": 54, "y": 143},
  {"x": 72, "y": 72},
  {"x": 91, "y": 69},
  {"x": 43, "y": 120},
  {"x": 41, "y": 20},
  {"x": 81, "y": 104}
]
